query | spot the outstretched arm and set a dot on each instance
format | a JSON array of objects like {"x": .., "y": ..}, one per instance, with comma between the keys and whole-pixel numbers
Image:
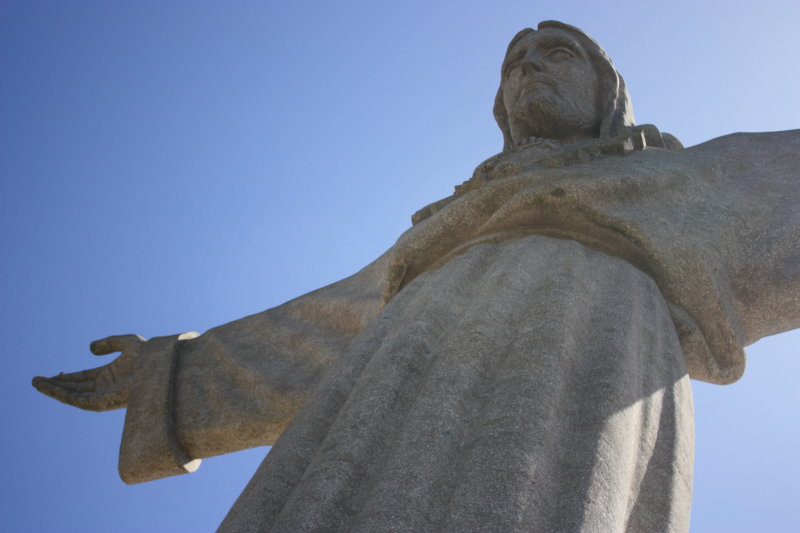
[{"x": 236, "y": 386}]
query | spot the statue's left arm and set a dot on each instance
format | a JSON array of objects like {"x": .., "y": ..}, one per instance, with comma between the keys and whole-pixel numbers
[
  {"x": 716, "y": 225},
  {"x": 745, "y": 221}
]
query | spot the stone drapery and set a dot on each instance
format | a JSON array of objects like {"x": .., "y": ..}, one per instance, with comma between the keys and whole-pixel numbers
[{"x": 462, "y": 343}]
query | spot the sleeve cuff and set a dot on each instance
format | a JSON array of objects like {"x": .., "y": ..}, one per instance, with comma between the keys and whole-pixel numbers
[{"x": 149, "y": 448}]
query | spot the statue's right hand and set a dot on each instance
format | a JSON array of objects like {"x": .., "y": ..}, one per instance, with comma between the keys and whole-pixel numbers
[{"x": 102, "y": 388}]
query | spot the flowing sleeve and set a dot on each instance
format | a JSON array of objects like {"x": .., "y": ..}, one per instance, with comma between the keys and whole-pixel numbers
[
  {"x": 238, "y": 385},
  {"x": 717, "y": 226}
]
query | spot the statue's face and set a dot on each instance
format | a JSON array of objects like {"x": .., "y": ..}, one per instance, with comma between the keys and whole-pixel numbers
[{"x": 550, "y": 88}]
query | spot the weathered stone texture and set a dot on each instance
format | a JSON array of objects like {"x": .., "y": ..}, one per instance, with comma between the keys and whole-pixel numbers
[{"x": 519, "y": 359}]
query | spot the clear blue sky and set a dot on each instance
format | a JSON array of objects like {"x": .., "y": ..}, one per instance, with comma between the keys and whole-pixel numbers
[{"x": 170, "y": 166}]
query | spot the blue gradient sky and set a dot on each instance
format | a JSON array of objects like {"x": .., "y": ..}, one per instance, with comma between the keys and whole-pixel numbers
[{"x": 170, "y": 166}]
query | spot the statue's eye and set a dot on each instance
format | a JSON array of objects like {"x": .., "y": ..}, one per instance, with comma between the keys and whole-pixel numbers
[
  {"x": 560, "y": 54},
  {"x": 513, "y": 63},
  {"x": 511, "y": 70}
]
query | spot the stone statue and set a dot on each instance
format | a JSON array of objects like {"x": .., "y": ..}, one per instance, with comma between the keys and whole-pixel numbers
[{"x": 520, "y": 359}]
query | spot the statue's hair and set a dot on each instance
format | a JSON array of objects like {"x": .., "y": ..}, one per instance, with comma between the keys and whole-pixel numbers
[{"x": 616, "y": 108}]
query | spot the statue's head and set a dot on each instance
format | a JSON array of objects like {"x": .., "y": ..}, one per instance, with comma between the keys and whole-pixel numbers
[{"x": 557, "y": 83}]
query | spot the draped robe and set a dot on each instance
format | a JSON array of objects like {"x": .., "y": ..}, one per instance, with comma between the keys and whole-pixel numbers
[{"x": 517, "y": 361}]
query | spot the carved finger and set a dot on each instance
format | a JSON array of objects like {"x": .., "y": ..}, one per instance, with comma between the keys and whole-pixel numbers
[
  {"x": 116, "y": 343},
  {"x": 82, "y": 375},
  {"x": 86, "y": 385},
  {"x": 67, "y": 387},
  {"x": 66, "y": 392},
  {"x": 88, "y": 400},
  {"x": 106, "y": 402}
]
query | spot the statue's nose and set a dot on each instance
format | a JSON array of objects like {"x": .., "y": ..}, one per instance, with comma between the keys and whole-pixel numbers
[{"x": 532, "y": 62}]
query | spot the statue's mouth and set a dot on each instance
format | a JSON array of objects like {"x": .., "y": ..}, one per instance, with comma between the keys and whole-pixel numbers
[
  {"x": 538, "y": 82},
  {"x": 534, "y": 88},
  {"x": 532, "y": 91}
]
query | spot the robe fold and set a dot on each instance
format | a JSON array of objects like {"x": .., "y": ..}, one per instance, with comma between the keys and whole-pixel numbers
[{"x": 518, "y": 361}]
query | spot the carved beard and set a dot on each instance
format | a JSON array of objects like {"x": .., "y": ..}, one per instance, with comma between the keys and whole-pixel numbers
[{"x": 542, "y": 113}]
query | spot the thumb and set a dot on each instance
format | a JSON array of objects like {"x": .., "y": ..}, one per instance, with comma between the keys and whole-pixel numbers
[{"x": 116, "y": 343}]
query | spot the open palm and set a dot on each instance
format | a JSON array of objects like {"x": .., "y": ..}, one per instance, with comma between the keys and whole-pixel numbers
[{"x": 102, "y": 388}]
